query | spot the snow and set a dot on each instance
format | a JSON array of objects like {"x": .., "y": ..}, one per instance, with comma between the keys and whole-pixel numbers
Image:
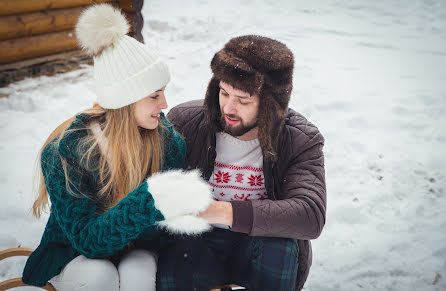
[{"x": 369, "y": 74}]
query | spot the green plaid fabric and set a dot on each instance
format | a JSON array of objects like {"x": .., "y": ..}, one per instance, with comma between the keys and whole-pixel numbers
[{"x": 223, "y": 257}]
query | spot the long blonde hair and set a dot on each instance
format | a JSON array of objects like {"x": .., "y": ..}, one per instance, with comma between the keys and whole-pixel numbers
[{"x": 131, "y": 153}]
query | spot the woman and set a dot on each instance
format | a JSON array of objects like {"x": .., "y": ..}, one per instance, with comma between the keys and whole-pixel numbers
[{"x": 106, "y": 214}]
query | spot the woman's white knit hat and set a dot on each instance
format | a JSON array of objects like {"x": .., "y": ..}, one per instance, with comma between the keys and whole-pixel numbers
[{"x": 125, "y": 70}]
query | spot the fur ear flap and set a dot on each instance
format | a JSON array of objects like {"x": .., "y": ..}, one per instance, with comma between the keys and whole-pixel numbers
[
  {"x": 269, "y": 136},
  {"x": 99, "y": 26},
  {"x": 212, "y": 106}
]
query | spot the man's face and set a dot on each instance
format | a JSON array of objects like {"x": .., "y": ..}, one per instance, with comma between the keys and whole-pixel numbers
[{"x": 238, "y": 112}]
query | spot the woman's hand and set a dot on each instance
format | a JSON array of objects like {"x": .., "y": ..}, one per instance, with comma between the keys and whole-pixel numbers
[
  {"x": 178, "y": 193},
  {"x": 218, "y": 212}
]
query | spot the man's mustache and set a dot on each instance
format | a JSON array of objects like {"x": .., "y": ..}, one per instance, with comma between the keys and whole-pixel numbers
[{"x": 232, "y": 116}]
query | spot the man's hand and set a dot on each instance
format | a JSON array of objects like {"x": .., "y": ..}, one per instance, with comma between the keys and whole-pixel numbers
[{"x": 218, "y": 212}]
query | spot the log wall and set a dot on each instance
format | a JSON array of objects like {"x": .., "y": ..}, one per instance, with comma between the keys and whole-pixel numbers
[{"x": 37, "y": 33}]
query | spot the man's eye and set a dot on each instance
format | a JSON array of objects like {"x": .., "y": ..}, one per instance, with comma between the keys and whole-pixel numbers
[
  {"x": 154, "y": 97},
  {"x": 243, "y": 101},
  {"x": 224, "y": 93}
]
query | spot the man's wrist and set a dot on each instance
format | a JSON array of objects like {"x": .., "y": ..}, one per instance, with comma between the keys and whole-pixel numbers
[
  {"x": 242, "y": 214},
  {"x": 227, "y": 215}
]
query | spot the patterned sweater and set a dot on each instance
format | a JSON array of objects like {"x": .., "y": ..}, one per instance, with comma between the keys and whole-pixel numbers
[
  {"x": 77, "y": 226},
  {"x": 238, "y": 169}
]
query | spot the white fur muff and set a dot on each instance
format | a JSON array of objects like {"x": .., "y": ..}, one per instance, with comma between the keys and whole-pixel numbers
[{"x": 180, "y": 196}]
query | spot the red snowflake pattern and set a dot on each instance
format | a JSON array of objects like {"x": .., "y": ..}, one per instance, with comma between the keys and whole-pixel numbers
[
  {"x": 244, "y": 197},
  {"x": 222, "y": 177},
  {"x": 239, "y": 178},
  {"x": 255, "y": 180},
  {"x": 222, "y": 194},
  {"x": 239, "y": 197},
  {"x": 262, "y": 196}
]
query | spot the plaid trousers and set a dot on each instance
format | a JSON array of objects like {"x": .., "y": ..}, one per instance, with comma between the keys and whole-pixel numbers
[{"x": 225, "y": 257}]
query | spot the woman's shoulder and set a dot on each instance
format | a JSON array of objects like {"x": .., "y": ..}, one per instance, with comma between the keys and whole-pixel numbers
[
  {"x": 67, "y": 145},
  {"x": 174, "y": 146},
  {"x": 169, "y": 133}
]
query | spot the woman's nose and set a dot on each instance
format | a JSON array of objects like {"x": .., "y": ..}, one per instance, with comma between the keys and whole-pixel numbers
[{"x": 163, "y": 104}]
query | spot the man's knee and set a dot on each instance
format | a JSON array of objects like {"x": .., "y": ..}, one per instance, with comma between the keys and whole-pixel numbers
[
  {"x": 276, "y": 246},
  {"x": 190, "y": 265},
  {"x": 268, "y": 262}
]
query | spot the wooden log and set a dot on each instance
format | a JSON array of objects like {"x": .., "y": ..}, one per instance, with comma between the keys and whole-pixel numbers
[
  {"x": 28, "y": 24},
  {"x": 47, "y": 65},
  {"x": 52, "y": 52},
  {"x": 77, "y": 54},
  {"x": 137, "y": 24},
  {"x": 133, "y": 9},
  {"x": 9, "y": 7},
  {"x": 35, "y": 46},
  {"x": 131, "y": 5}
]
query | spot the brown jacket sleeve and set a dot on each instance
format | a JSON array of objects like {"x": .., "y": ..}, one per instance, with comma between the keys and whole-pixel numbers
[{"x": 299, "y": 212}]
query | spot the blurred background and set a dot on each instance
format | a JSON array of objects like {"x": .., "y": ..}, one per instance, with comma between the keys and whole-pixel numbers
[{"x": 369, "y": 74}]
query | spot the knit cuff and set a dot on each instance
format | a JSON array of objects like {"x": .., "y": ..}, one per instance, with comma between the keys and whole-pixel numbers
[{"x": 242, "y": 216}]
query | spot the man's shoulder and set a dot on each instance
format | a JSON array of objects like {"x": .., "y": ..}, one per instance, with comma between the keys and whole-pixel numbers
[
  {"x": 193, "y": 107},
  {"x": 186, "y": 110},
  {"x": 299, "y": 128},
  {"x": 187, "y": 114}
]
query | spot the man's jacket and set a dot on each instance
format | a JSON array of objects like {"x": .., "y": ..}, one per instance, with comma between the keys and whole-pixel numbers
[{"x": 295, "y": 183}]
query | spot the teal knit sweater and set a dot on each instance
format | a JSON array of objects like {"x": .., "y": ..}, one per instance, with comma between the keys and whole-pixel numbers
[{"x": 77, "y": 225}]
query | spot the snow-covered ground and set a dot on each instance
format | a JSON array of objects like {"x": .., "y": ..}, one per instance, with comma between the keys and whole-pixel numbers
[{"x": 370, "y": 74}]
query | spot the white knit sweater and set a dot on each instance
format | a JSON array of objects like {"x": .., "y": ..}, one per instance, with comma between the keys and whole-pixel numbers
[{"x": 238, "y": 170}]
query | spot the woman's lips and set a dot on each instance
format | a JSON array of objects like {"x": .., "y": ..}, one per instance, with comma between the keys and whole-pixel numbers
[{"x": 156, "y": 116}]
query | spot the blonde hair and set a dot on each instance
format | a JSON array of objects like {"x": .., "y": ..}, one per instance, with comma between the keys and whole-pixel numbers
[{"x": 130, "y": 154}]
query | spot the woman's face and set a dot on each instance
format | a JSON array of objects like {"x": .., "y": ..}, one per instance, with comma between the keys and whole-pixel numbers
[{"x": 148, "y": 109}]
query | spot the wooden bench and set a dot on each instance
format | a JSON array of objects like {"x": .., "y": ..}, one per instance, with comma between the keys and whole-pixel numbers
[{"x": 17, "y": 282}]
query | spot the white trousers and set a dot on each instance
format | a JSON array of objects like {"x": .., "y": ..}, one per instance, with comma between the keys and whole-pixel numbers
[{"x": 136, "y": 271}]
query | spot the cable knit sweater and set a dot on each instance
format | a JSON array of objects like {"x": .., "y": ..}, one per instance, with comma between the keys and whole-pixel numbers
[{"x": 77, "y": 225}]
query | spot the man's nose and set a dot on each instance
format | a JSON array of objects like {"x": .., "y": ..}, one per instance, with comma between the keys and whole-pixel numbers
[{"x": 231, "y": 106}]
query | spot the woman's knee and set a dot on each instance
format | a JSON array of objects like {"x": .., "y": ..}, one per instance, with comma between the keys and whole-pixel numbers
[
  {"x": 138, "y": 261},
  {"x": 87, "y": 274},
  {"x": 137, "y": 270}
]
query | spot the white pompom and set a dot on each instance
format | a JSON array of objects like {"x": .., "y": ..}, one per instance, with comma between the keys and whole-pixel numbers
[{"x": 99, "y": 26}]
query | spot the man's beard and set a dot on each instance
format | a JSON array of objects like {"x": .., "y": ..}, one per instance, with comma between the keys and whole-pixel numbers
[{"x": 240, "y": 129}]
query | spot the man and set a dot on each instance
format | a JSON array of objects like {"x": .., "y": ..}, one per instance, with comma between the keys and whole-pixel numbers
[{"x": 266, "y": 167}]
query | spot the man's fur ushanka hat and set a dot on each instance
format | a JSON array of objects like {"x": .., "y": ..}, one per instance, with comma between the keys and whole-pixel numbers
[{"x": 260, "y": 66}]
